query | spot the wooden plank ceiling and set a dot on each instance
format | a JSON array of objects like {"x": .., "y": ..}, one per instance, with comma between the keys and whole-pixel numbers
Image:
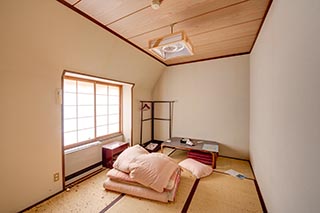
[{"x": 216, "y": 28}]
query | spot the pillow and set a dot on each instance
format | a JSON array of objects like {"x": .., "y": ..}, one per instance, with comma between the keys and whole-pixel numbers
[
  {"x": 127, "y": 156},
  {"x": 153, "y": 170},
  {"x": 196, "y": 168}
]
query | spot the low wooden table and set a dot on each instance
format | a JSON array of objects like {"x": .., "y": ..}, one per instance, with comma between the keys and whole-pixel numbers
[
  {"x": 110, "y": 150},
  {"x": 199, "y": 145}
]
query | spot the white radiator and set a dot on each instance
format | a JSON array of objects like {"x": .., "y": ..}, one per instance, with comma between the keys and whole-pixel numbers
[{"x": 81, "y": 161}]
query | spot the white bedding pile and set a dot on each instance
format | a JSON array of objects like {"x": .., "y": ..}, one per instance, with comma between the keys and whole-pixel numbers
[{"x": 136, "y": 172}]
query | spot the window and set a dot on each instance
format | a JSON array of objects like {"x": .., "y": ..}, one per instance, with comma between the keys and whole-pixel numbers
[{"x": 91, "y": 110}]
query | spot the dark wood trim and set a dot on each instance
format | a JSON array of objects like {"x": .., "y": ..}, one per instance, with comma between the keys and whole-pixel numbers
[
  {"x": 120, "y": 110},
  {"x": 152, "y": 121},
  {"x": 170, "y": 120},
  {"x": 207, "y": 59},
  {"x": 30, "y": 207},
  {"x": 73, "y": 175},
  {"x": 131, "y": 140},
  {"x": 112, "y": 203},
  {"x": 147, "y": 119},
  {"x": 263, "y": 205},
  {"x": 189, "y": 199},
  {"x": 94, "y": 108},
  {"x": 263, "y": 19},
  {"x": 108, "y": 29},
  {"x": 234, "y": 158},
  {"x": 93, "y": 81},
  {"x": 94, "y": 76},
  {"x": 76, "y": 3},
  {"x": 157, "y": 101},
  {"x": 163, "y": 119},
  {"x": 62, "y": 133},
  {"x": 85, "y": 178},
  {"x": 141, "y": 122}
]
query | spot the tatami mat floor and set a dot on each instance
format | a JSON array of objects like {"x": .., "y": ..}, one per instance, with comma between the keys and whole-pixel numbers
[{"x": 218, "y": 192}]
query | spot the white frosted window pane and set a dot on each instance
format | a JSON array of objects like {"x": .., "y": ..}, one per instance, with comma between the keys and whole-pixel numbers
[
  {"x": 102, "y": 120},
  {"x": 85, "y": 87},
  {"x": 102, "y": 110},
  {"x": 84, "y": 123},
  {"x": 114, "y": 100},
  {"x": 85, "y": 99},
  {"x": 113, "y": 119},
  {"x": 85, "y": 111},
  {"x": 113, "y": 128},
  {"x": 101, "y": 99},
  {"x": 102, "y": 130},
  {"x": 69, "y": 85},
  {"x": 114, "y": 90},
  {"x": 70, "y": 138},
  {"x": 69, "y": 98},
  {"x": 113, "y": 110},
  {"x": 85, "y": 134},
  {"x": 69, "y": 112},
  {"x": 101, "y": 89},
  {"x": 70, "y": 125}
]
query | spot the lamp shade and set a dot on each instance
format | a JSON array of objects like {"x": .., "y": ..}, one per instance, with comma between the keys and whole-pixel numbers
[{"x": 171, "y": 46}]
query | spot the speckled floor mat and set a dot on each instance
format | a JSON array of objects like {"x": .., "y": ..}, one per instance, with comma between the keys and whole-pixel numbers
[
  {"x": 215, "y": 193},
  {"x": 87, "y": 196}
]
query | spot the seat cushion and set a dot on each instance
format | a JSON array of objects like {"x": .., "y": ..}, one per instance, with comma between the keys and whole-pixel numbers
[{"x": 198, "y": 169}]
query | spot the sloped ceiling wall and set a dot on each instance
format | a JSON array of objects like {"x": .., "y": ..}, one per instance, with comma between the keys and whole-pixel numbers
[{"x": 39, "y": 39}]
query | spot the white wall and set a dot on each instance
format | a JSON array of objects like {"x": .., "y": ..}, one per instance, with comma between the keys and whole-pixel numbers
[
  {"x": 285, "y": 107},
  {"x": 39, "y": 39},
  {"x": 212, "y": 102}
]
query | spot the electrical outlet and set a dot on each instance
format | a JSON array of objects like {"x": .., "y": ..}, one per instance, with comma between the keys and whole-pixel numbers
[{"x": 56, "y": 177}]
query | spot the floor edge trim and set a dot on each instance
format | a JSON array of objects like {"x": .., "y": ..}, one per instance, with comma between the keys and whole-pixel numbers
[{"x": 189, "y": 199}]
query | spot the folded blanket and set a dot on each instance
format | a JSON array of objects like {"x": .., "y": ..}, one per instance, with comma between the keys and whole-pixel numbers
[
  {"x": 119, "y": 176},
  {"x": 142, "y": 191},
  {"x": 153, "y": 170}
]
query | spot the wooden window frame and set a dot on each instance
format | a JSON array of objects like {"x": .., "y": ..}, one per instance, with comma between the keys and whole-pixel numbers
[{"x": 104, "y": 137}]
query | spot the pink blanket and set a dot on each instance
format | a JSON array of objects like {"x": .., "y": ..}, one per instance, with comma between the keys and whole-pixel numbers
[{"x": 121, "y": 182}]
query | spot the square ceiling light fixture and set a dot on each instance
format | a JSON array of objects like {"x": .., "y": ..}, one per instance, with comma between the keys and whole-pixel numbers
[{"x": 171, "y": 46}]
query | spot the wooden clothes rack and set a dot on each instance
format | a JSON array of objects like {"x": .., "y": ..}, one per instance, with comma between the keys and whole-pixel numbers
[{"x": 144, "y": 107}]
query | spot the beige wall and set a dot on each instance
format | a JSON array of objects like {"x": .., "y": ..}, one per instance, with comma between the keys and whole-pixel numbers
[
  {"x": 285, "y": 107},
  {"x": 39, "y": 39},
  {"x": 212, "y": 102}
]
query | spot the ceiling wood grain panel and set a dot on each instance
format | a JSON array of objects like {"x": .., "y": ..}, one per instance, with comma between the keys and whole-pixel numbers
[
  {"x": 216, "y": 50},
  {"x": 108, "y": 11},
  {"x": 171, "y": 11},
  {"x": 247, "y": 11},
  {"x": 233, "y": 32},
  {"x": 143, "y": 40},
  {"x": 216, "y": 28}
]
